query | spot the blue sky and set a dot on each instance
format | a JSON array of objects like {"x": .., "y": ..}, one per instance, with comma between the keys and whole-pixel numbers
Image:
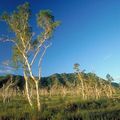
[{"x": 89, "y": 34}]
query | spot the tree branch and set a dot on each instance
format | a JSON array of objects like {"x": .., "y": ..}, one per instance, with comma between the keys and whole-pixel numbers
[
  {"x": 41, "y": 58},
  {"x": 37, "y": 50},
  {"x": 10, "y": 40}
]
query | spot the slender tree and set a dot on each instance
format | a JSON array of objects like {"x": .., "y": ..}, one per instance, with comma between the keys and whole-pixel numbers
[
  {"x": 110, "y": 79},
  {"x": 28, "y": 46},
  {"x": 76, "y": 68}
]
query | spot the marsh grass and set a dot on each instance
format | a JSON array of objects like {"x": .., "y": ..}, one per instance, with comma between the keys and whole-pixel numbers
[{"x": 61, "y": 108}]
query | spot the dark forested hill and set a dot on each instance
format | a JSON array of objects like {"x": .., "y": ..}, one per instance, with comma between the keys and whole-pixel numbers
[{"x": 64, "y": 79}]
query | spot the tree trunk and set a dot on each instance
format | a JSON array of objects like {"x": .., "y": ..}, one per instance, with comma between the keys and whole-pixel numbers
[
  {"x": 38, "y": 96},
  {"x": 82, "y": 86},
  {"x": 110, "y": 91},
  {"x": 27, "y": 91},
  {"x": 96, "y": 92}
]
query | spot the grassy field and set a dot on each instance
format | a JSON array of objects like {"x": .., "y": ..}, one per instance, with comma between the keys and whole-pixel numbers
[{"x": 61, "y": 108}]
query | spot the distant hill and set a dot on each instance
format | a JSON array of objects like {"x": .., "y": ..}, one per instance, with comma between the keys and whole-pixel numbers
[
  {"x": 115, "y": 84},
  {"x": 64, "y": 79}
]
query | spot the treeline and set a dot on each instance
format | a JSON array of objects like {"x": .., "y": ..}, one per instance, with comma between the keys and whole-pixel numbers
[
  {"x": 84, "y": 85},
  {"x": 64, "y": 79}
]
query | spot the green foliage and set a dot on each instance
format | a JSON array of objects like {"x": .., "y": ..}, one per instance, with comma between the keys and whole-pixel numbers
[
  {"x": 46, "y": 20},
  {"x": 109, "y": 78},
  {"x": 18, "y": 21},
  {"x": 76, "y": 67}
]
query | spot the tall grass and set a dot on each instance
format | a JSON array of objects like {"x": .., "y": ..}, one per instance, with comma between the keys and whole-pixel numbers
[{"x": 59, "y": 108}]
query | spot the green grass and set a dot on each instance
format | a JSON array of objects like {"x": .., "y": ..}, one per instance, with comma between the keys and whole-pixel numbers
[{"x": 61, "y": 108}]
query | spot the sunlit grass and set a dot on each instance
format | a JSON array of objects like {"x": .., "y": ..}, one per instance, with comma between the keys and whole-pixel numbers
[{"x": 61, "y": 108}]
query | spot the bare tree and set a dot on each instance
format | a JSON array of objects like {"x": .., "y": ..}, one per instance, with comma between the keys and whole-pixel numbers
[
  {"x": 110, "y": 88},
  {"x": 6, "y": 93}
]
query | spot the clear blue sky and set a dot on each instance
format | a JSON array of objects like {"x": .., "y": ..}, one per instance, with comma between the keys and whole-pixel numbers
[{"x": 89, "y": 34}]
